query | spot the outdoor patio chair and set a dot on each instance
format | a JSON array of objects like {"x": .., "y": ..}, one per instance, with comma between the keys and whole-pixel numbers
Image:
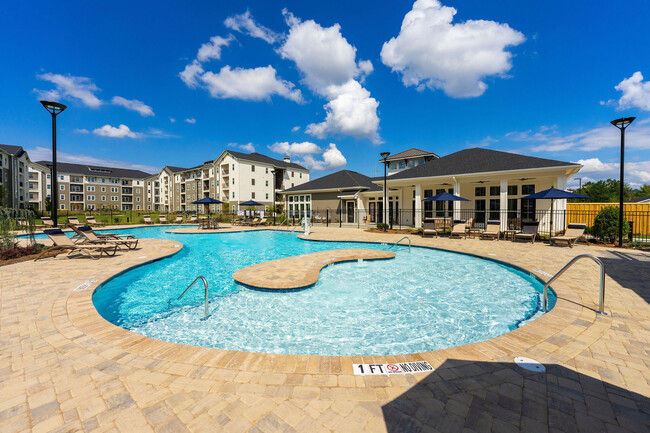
[
  {"x": 571, "y": 235},
  {"x": 47, "y": 221},
  {"x": 260, "y": 222},
  {"x": 162, "y": 219},
  {"x": 74, "y": 220},
  {"x": 492, "y": 230},
  {"x": 147, "y": 219},
  {"x": 89, "y": 236},
  {"x": 459, "y": 230},
  {"x": 179, "y": 219},
  {"x": 252, "y": 222},
  {"x": 528, "y": 232},
  {"x": 62, "y": 243},
  {"x": 429, "y": 228},
  {"x": 91, "y": 220},
  {"x": 193, "y": 219}
]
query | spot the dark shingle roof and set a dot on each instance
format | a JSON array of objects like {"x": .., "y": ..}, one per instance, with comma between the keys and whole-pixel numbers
[
  {"x": 477, "y": 160},
  {"x": 344, "y": 179},
  {"x": 96, "y": 170},
  {"x": 410, "y": 153},
  {"x": 258, "y": 157},
  {"x": 640, "y": 199},
  {"x": 12, "y": 150},
  {"x": 175, "y": 169}
]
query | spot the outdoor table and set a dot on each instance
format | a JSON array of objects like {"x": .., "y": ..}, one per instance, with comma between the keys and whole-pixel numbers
[{"x": 509, "y": 233}]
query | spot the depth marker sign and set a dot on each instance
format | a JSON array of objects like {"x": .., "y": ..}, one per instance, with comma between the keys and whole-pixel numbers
[{"x": 396, "y": 368}]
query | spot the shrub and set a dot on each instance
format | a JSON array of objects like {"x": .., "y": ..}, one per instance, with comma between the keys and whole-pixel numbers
[
  {"x": 606, "y": 224},
  {"x": 18, "y": 251},
  {"x": 382, "y": 226}
]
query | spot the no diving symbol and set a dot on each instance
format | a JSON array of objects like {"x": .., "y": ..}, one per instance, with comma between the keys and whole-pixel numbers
[{"x": 392, "y": 367}]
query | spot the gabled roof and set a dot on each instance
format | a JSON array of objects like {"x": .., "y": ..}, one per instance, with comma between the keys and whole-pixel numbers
[
  {"x": 344, "y": 180},
  {"x": 641, "y": 199},
  {"x": 175, "y": 169},
  {"x": 12, "y": 150},
  {"x": 258, "y": 157},
  {"x": 96, "y": 170},
  {"x": 410, "y": 153},
  {"x": 478, "y": 160}
]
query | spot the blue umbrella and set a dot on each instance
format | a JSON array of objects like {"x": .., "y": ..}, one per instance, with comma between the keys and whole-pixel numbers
[
  {"x": 445, "y": 197},
  {"x": 552, "y": 194},
  {"x": 250, "y": 203},
  {"x": 207, "y": 201}
]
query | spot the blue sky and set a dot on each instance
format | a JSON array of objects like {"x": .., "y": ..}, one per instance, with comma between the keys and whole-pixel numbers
[{"x": 332, "y": 83}]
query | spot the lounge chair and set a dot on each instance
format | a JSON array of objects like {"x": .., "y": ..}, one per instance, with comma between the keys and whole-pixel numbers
[
  {"x": 253, "y": 222},
  {"x": 63, "y": 243},
  {"x": 528, "y": 232},
  {"x": 459, "y": 230},
  {"x": 179, "y": 219},
  {"x": 47, "y": 221},
  {"x": 147, "y": 219},
  {"x": 74, "y": 220},
  {"x": 492, "y": 230},
  {"x": 89, "y": 236},
  {"x": 571, "y": 235},
  {"x": 193, "y": 219},
  {"x": 91, "y": 220},
  {"x": 260, "y": 222},
  {"x": 429, "y": 228},
  {"x": 162, "y": 219}
]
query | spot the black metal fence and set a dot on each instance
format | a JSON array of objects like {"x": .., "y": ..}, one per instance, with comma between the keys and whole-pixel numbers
[{"x": 550, "y": 223}]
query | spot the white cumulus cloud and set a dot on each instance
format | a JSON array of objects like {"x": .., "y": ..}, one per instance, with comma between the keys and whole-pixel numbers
[
  {"x": 329, "y": 67},
  {"x": 637, "y": 173},
  {"x": 79, "y": 88},
  {"x": 121, "y": 131},
  {"x": 286, "y": 148},
  {"x": 81, "y": 131},
  {"x": 431, "y": 51},
  {"x": 245, "y": 23},
  {"x": 133, "y": 104},
  {"x": 248, "y": 147},
  {"x": 212, "y": 50},
  {"x": 249, "y": 84},
  {"x": 332, "y": 159},
  {"x": 636, "y": 92},
  {"x": 190, "y": 120},
  {"x": 295, "y": 129}
]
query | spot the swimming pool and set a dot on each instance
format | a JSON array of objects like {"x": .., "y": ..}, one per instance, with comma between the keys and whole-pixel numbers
[{"x": 421, "y": 300}]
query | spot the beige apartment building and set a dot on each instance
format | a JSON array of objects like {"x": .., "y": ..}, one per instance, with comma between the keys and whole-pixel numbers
[
  {"x": 87, "y": 187},
  {"x": 14, "y": 163}
]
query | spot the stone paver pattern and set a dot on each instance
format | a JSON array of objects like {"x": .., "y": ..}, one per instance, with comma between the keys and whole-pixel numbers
[
  {"x": 64, "y": 368},
  {"x": 302, "y": 270}
]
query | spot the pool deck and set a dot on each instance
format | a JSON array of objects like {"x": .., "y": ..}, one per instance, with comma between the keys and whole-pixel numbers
[
  {"x": 64, "y": 368},
  {"x": 302, "y": 270}
]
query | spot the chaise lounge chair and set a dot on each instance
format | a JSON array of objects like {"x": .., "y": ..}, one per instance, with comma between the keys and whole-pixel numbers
[
  {"x": 571, "y": 235},
  {"x": 528, "y": 232},
  {"x": 63, "y": 243},
  {"x": 147, "y": 219},
  {"x": 74, "y": 220},
  {"x": 459, "y": 230},
  {"x": 87, "y": 235},
  {"x": 179, "y": 219},
  {"x": 429, "y": 228},
  {"x": 47, "y": 222},
  {"x": 91, "y": 220},
  {"x": 492, "y": 230},
  {"x": 261, "y": 222},
  {"x": 162, "y": 219},
  {"x": 193, "y": 219}
]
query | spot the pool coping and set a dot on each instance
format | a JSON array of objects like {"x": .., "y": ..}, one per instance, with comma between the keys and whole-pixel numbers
[{"x": 528, "y": 340}]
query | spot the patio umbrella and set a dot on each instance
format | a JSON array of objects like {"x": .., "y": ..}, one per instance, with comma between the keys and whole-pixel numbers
[
  {"x": 207, "y": 201},
  {"x": 250, "y": 203},
  {"x": 552, "y": 194},
  {"x": 445, "y": 197}
]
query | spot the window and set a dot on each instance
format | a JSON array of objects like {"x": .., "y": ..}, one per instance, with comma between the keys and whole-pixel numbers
[
  {"x": 233, "y": 180},
  {"x": 253, "y": 195},
  {"x": 267, "y": 170},
  {"x": 114, "y": 198},
  {"x": 31, "y": 196},
  {"x": 90, "y": 188},
  {"x": 527, "y": 189},
  {"x": 252, "y": 168},
  {"x": 62, "y": 207},
  {"x": 495, "y": 208},
  {"x": 392, "y": 166},
  {"x": 495, "y": 190},
  {"x": 113, "y": 189},
  {"x": 293, "y": 173},
  {"x": 49, "y": 187},
  {"x": 428, "y": 205},
  {"x": 103, "y": 198},
  {"x": 479, "y": 191},
  {"x": 299, "y": 206},
  {"x": 253, "y": 182},
  {"x": 267, "y": 183},
  {"x": 90, "y": 197},
  {"x": 61, "y": 177},
  {"x": 402, "y": 164},
  {"x": 137, "y": 199},
  {"x": 138, "y": 207},
  {"x": 267, "y": 195},
  {"x": 512, "y": 209},
  {"x": 90, "y": 179},
  {"x": 233, "y": 167},
  {"x": 103, "y": 189},
  {"x": 233, "y": 194},
  {"x": 62, "y": 196},
  {"x": 301, "y": 175},
  {"x": 62, "y": 187},
  {"x": 512, "y": 189}
]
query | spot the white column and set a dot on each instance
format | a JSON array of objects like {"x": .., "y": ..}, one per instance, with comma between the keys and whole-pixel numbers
[
  {"x": 559, "y": 206},
  {"x": 457, "y": 203},
  {"x": 503, "y": 203},
  {"x": 418, "y": 206}
]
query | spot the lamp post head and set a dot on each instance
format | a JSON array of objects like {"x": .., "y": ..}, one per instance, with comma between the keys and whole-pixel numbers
[
  {"x": 53, "y": 107},
  {"x": 384, "y": 155},
  {"x": 623, "y": 122}
]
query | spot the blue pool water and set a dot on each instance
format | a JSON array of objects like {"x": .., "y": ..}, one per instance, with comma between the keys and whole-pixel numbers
[{"x": 419, "y": 301}]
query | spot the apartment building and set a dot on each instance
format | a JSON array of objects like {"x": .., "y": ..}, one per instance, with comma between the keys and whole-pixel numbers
[
  {"x": 13, "y": 176},
  {"x": 407, "y": 159},
  {"x": 37, "y": 184},
  {"x": 160, "y": 190},
  {"x": 88, "y": 187}
]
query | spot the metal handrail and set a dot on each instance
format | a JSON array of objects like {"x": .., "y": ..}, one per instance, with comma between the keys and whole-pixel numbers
[
  {"x": 205, "y": 285},
  {"x": 405, "y": 237},
  {"x": 280, "y": 225},
  {"x": 298, "y": 225},
  {"x": 601, "y": 304}
]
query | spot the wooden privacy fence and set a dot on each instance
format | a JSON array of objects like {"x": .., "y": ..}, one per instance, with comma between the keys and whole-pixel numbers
[{"x": 637, "y": 213}]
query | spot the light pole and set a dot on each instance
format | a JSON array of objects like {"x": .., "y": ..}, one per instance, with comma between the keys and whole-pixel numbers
[
  {"x": 54, "y": 108},
  {"x": 384, "y": 156},
  {"x": 622, "y": 124},
  {"x": 273, "y": 189}
]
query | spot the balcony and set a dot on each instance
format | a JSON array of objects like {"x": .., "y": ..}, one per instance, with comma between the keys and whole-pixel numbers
[
  {"x": 127, "y": 191},
  {"x": 127, "y": 199},
  {"x": 76, "y": 198}
]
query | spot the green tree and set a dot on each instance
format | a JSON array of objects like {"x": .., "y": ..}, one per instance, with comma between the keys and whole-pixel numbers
[
  {"x": 605, "y": 191},
  {"x": 4, "y": 196},
  {"x": 606, "y": 224},
  {"x": 643, "y": 191}
]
